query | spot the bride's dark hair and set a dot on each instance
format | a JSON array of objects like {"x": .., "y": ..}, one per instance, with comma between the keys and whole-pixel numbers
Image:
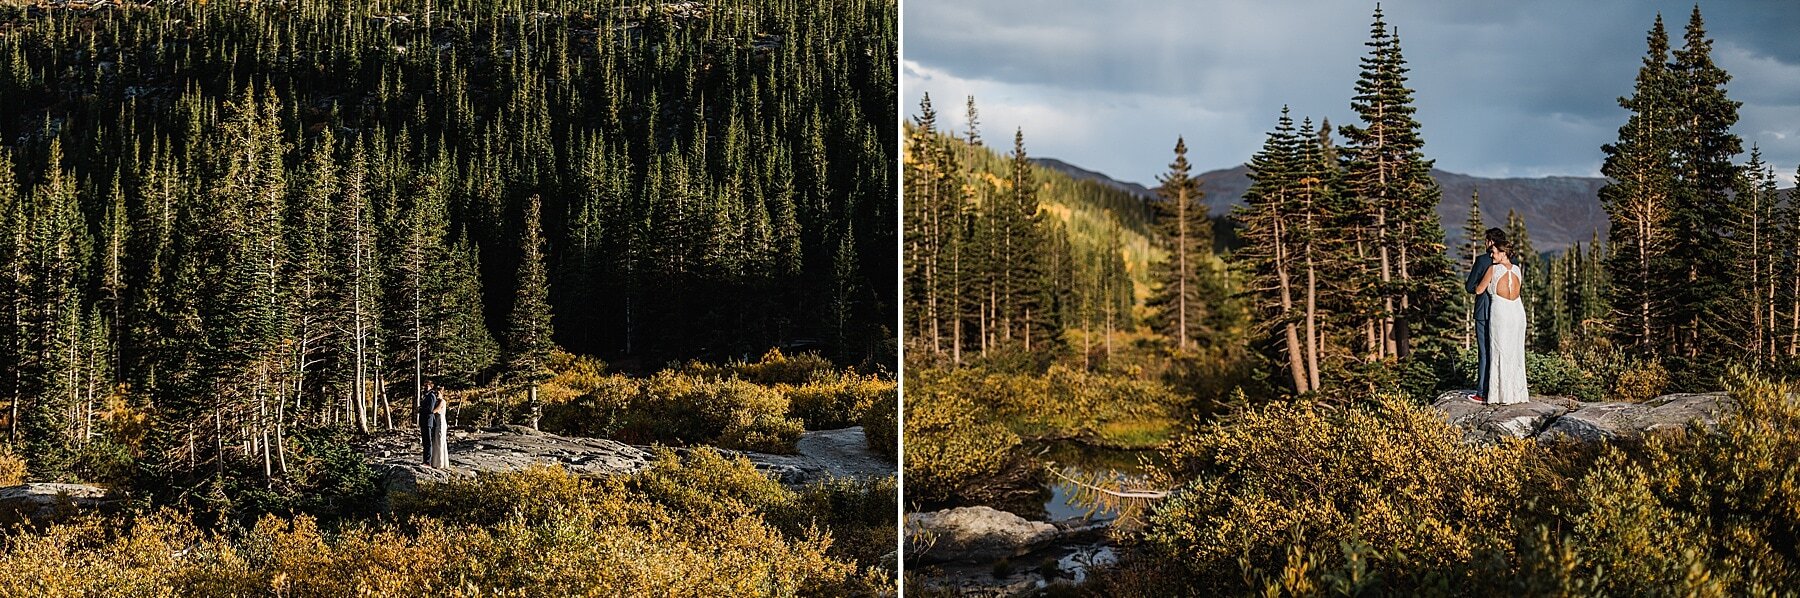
[{"x": 1504, "y": 246}]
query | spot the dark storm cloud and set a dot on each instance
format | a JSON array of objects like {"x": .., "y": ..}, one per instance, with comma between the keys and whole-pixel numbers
[{"x": 1523, "y": 88}]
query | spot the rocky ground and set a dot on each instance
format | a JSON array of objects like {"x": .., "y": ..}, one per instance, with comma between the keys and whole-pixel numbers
[
  {"x": 820, "y": 454},
  {"x": 41, "y": 502},
  {"x": 983, "y": 551},
  {"x": 396, "y": 457},
  {"x": 1550, "y": 419}
]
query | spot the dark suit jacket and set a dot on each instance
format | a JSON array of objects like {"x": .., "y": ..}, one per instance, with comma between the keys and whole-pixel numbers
[
  {"x": 427, "y": 402},
  {"x": 1482, "y": 263}
]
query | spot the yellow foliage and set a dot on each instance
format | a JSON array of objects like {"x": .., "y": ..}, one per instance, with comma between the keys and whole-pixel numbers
[
  {"x": 574, "y": 376},
  {"x": 1391, "y": 474},
  {"x": 837, "y": 400},
  {"x": 544, "y": 533},
  {"x": 12, "y": 467},
  {"x": 1641, "y": 381}
]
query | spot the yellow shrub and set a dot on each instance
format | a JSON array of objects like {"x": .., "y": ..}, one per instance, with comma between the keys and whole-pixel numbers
[
  {"x": 598, "y": 412},
  {"x": 1391, "y": 474},
  {"x": 574, "y": 376},
  {"x": 835, "y": 400},
  {"x": 12, "y": 467},
  {"x": 730, "y": 413},
  {"x": 777, "y": 368},
  {"x": 952, "y": 441},
  {"x": 1641, "y": 381},
  {"x": 555, "y": 535},
  {"x": 881, "y": 423}
]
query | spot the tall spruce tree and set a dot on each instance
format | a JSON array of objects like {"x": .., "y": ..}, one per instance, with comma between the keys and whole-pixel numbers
[
  {"x": 1639, "y": 201},
  {"x": 1387, "y": 173},
  {"x": 1181, "y": 218},
  {"x": 528, "y": 342},
  {"x": 1704, "y": 302}
]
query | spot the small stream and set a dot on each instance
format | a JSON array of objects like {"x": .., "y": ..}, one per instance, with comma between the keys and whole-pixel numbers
[{"x": 1084, "y": 461}]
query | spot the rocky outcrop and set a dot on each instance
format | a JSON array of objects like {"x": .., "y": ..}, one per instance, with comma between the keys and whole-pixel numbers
[
  {"x": 39, "y": 503},
  {"x": 508, "y": 448},
  {"x": 1551, "y": 419},
  {"x": 397, "y": 458},
  {"x": 982, "y": 551},
  {"x": 973, "y": 534}
]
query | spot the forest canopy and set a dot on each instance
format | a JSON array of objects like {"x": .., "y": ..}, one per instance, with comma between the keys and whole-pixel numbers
[{"x": 215, "y": 213}]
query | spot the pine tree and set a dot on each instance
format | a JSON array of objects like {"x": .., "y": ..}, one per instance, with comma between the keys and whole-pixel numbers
[
  {"x": 1703, "y": 299},
  {"x": 1474, "y": 231},
  {"x": 1639, "y": 200},
  {"x": 1181, "y": 218},
  {"x": 1266, "y": 221},
  {"x": 528, "y": 343},
  {"x": 1386, "y": 172}
]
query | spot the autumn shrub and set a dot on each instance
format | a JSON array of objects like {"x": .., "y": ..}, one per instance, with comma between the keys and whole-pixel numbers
[
  {"x": 731, "y": 413},
  {"x": 1640, "y": 381},
  {"x": 12, "y": 467},
  {"x": 1288, "y": 476},
  {"x": 572, "y": 376},
  {"x": 776, "y": 367},
  {"x": 881, "y": 423},
  {"x": 1709, "y": 511},
  {"x": 599, "y": 412},
  {"x": 553, "y": 535},
  {"x": 953, "y": 440},
  {"x": 860, "y": 512},
  {"x": 835, "y": 399}
]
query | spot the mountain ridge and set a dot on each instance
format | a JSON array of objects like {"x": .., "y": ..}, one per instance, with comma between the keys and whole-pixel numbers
[{"x": 1560, "y": 211}]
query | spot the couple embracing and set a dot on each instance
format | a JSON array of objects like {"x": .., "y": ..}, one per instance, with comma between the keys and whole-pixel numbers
[{"x": 1499, "y": 323}]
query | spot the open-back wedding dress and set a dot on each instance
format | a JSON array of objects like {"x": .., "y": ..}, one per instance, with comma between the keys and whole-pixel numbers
[{"x": 1506, "y": 338}]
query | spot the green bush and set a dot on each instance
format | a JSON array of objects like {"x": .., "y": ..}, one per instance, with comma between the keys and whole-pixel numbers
[
  {"x": 1559, "y": 375},
  {"x": 328, "y": 478}
]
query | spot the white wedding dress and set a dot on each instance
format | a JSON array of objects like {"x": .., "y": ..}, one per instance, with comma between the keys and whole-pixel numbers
[{"x": 1506, "y": 340}]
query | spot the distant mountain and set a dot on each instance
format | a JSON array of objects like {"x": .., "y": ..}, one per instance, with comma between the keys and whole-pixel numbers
[
  {"x": 1083, "y": 174},
  {"x": 1559, "y": 211}
]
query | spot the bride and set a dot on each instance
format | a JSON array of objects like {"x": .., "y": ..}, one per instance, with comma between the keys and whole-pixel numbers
[{"x": 1506, "y": 329}]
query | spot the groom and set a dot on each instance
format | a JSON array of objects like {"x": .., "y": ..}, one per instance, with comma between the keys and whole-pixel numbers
[{"x": 1482, "y": 263}]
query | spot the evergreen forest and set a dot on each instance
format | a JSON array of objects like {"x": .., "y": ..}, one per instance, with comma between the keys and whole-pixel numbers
[{"x": 240, "y": 237}]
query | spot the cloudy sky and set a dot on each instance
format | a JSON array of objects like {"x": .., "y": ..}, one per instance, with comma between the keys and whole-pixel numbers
[{"x": 1517, "y": 88}]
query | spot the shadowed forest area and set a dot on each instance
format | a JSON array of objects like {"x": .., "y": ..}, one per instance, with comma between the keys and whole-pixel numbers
[{"x": 239, "y": 236}]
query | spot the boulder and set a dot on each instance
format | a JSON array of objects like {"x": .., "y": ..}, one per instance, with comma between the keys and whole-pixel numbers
[
  {"x": 1550, "y": 419},
  {"x": 822, "y": 454},
  {"x": 973, "y": 535},
  {"x": 1677, "y": 411},
  {"x": 1490, "y": 423},
  {"x": 399, "y": 461},
  {"x": 39, "y": 503},
  {"x": 1594, "y": 422},
  {"x": 396, "y": 456}
]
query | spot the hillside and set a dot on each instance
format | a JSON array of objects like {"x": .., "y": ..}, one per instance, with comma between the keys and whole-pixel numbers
[
  {"x": 1560, "y": 210},
  {"x": 1091, "y": 205}
]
